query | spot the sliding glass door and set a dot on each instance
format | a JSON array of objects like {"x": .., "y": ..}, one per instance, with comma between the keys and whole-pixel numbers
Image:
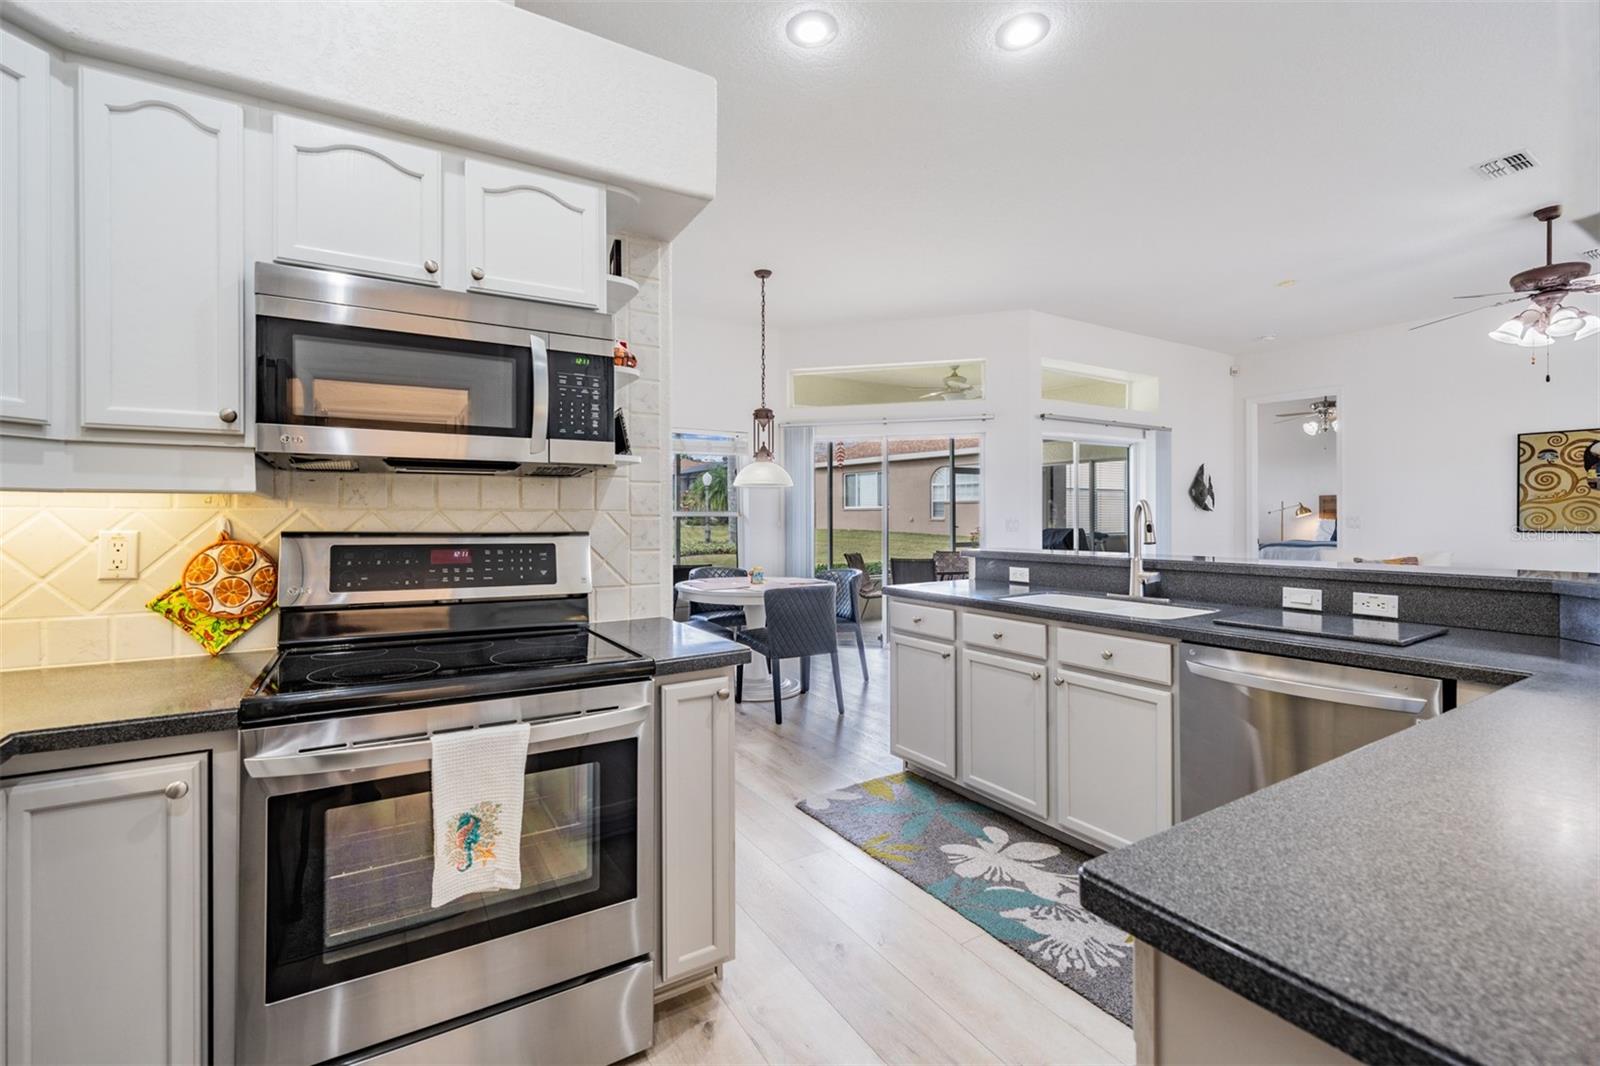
[{"x": 879, "y": 499}]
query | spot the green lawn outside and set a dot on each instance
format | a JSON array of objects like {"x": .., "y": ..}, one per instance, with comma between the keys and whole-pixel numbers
[{"x": 869, "y": 542}]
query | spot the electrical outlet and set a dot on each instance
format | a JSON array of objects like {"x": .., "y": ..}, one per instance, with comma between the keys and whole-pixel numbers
[
  {"x": 1019, "y": 575},
  {"x": 1375, "y": 604},
  {"x": 1302, "y": 599},
  {"x": 118, "y": 554}
]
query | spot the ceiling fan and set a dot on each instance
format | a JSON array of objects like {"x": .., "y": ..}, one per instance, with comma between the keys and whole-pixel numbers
[
  {"x": 1324, "y": 417},
  {"x": 955, "y": 387},
  {"x": 1548, "y": 319}
]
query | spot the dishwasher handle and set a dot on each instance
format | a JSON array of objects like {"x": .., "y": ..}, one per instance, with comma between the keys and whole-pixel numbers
[{"x": 1288, "y": 686}]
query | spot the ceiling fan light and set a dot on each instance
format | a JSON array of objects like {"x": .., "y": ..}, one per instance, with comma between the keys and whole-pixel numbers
[
  {"x": 1591, "y": 326},
  {"x": 1534, "y": 337},
  {"x": 1312, "y": 427},
  {"x": 1564, "y": 322},
  {"x": 1335, "y": 425}
]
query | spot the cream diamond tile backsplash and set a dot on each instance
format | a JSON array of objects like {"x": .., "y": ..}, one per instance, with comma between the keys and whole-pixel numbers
[{"x": 55, "y": 611}]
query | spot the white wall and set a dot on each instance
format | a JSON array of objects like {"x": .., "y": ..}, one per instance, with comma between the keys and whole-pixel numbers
[
  {"x": 1428, "y": 423},
  {"x": 1292, "y": 468},
  {"x": 1196, "y": 401}
]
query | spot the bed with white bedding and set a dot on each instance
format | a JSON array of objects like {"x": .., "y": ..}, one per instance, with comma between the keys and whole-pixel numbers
[{"x": 1303, "y": 550}]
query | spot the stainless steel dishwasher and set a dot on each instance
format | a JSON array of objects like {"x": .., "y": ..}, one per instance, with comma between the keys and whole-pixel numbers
[{"x": 1246, "y": 721}]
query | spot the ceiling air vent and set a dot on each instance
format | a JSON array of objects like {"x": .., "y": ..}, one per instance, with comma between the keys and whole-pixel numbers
[
  {"x": 1592, "y": 253},
  {"x": 1507, "y": 165}
]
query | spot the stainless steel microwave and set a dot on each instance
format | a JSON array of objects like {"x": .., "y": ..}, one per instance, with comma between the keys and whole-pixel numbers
[{"x": 356, "y": 373}]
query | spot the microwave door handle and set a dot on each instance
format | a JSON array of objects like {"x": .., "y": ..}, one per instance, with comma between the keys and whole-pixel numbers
[
  {"x": 539, "y": 441},
  {"x": 366, "y": 757}
]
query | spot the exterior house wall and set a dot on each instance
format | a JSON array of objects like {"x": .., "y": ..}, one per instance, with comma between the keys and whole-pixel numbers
[{"x": 910, "y": 500}]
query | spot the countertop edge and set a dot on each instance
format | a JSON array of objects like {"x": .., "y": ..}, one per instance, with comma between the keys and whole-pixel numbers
[
  {"x": 1304, "y": 1004},
  {"x": 121, "y": 731}
]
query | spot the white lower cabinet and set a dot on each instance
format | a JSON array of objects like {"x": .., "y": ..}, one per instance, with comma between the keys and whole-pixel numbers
[
  {"x": 1112, "y": 756},
  {"x": 696, "y": 742},
  {"x": 922, "y": 702},
  {"x": 1004, "y": 720},
  {"x": 105, "y": 873}
]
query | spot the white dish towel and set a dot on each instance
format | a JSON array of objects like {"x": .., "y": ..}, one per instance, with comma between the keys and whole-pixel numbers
[{"x": 477, "y": 810}]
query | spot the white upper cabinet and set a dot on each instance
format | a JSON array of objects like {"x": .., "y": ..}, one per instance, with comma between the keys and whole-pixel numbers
[
  {"x": 162, "y": 272},
  {"x": 24, "y": 229},
  {"x": 353, "y": 201},
  {"x": 533, "y": 234}
]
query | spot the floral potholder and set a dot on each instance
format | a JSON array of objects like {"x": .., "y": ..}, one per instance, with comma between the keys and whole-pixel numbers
[{"x": 210, "y": 632}]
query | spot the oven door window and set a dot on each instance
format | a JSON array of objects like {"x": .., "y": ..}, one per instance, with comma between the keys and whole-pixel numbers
[
  {"x": 315, "y": 374},
  {"x": 350, "y": 868}
]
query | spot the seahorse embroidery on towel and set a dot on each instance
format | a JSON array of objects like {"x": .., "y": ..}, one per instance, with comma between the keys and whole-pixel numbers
[{"x": 469, "y": 837}]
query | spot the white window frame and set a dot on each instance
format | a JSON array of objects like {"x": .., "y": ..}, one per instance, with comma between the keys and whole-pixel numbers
[
  {"x": 708, "y": 445},
  {"x": 1136, "y": 462},
  {"x": 972, "y": 481}
]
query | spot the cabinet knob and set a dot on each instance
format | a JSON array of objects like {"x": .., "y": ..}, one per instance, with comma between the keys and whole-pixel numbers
[
  {"x": 228, "y": 415},
  {"x": 722, "y": 693},
  {"x": 1106, "y": 655},
  {"x": 998, "y": 634},
  {"x": 431, "y": 265},
  {"x": 944, "y": 655},
  {"x": 477, "y": 273},
  {"x": 177, "y": 790},
  {"x": 1036, "y": 675},
  {"x": 1060, "y": 681}
]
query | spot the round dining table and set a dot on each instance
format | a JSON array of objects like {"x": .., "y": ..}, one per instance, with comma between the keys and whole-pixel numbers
[{"x": 741, "y": 592}]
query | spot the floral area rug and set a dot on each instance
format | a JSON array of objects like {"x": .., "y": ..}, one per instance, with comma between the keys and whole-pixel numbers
[{"x": 1016, "y": 884}]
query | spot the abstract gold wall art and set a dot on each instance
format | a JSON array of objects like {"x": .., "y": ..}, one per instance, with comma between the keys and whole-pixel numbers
[{"x": 1558, "y": 482}]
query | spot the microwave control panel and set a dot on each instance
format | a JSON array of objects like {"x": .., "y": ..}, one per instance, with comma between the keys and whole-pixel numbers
[
  {"x": 383, "y": 568},
  {"x": 580, "y": 397}
]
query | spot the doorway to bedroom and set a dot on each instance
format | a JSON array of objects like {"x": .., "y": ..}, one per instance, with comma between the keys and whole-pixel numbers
[{"x": 1294, "y": 461}]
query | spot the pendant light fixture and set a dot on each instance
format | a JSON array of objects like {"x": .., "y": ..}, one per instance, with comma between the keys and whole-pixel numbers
[{"x": 763, "y": 473}]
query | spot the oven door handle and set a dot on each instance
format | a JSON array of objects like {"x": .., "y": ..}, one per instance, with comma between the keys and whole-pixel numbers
[{"x": 367, "y": 756}]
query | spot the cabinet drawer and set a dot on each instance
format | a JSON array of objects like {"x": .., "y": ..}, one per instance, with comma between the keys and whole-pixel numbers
[
  {"x": 1011, "y": 635},
  {"x": 1143, "y": 660},
  {"x": 936, "y": 623}
]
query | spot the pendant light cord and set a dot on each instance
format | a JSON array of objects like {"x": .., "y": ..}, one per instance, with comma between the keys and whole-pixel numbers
[{"x": 763, "y": 337}]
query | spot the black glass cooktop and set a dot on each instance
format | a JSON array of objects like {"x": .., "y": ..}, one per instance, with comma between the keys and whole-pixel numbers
[
  {"x": 357, "y": 677},
  {"x": 1338, "y": 626}
]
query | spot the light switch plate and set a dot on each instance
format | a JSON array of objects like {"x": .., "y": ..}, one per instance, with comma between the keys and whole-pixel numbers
[
  {"x": 1019, "y": 575},
  {"x": 118, "y": 554},
  {"x": 1302, "y": 599},
  {"x": 1375, "y": 604}
]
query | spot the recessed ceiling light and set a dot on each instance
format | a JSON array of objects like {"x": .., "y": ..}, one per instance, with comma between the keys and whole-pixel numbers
[
  {"x": 812, "y": 28},
  {"x": 1022, "y": 31}
]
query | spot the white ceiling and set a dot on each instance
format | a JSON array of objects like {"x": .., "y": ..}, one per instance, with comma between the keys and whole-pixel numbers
[{"x": 1152, "y": 167}]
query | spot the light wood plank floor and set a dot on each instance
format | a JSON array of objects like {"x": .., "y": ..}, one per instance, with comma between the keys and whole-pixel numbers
[{"x": 840, "y": 960}]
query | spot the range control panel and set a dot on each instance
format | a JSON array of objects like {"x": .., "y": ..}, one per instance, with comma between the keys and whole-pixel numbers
[
  {"x": 385, "y": 567},
  {"x": 580, "y": 396}
]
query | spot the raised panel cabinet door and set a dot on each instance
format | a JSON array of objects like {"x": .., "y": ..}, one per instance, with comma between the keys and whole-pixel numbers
[
  {"x": 696, "y": 738},
  {"x": 534, "y": 234},
  {"x": 922, "y": 703},
  {"x": 356, "y": 202},
  {"x": 162, "y": 273},
  {"x": 24, "y": 229},
  {"x": 1113, "y": 758},
  {"x": 1004, "y": 721},
  {"x": 106, "y": 911}
]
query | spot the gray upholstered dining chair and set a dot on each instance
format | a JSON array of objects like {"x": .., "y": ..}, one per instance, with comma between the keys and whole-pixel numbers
[
  {"x": 800, "y": 624},
  {"x": 848, "y": 605},
  {"x": 716, "y": 614},
  {"x": 910, "y": 571}
]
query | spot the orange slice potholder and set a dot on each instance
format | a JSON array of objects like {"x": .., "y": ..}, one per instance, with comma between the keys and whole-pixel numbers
[{"x": 230, "y": 579}]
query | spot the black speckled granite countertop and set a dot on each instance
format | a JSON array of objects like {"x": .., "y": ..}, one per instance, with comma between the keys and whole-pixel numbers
[
  {"x": 84, "y": 706},
  {"x": 1434, "y": 896}
]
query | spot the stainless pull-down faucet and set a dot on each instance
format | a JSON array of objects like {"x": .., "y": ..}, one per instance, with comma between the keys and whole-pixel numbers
[{"x": 1143, "y": 532}]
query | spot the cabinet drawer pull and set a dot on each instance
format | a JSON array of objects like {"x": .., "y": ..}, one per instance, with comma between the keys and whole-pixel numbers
[
  {"x": 1037, "y": 675},
  {"x": 916, "y": 620},
  {"x": 1060, "y": 681},
  {"x": 1106, "y": 655},
  {"x": 228, "y": 415},
  {"x": 722, "y": 693},
  {"x": 177, "y": 790},
  {"x": 944, "y": 655},
  {"x": 998, "y": 634},
  {"x": 431, "y": 265},
  {"x": 477, "y": 273}
]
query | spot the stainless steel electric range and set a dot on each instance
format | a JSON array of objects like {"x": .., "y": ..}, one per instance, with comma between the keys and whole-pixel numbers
[{"x": 385, "y": 640}]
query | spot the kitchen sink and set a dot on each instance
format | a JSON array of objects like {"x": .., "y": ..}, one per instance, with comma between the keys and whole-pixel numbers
[{"x": 1101, "y": 605}]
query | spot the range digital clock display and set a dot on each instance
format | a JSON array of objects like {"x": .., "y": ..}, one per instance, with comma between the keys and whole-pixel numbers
[{"x": 450, "y": 557}]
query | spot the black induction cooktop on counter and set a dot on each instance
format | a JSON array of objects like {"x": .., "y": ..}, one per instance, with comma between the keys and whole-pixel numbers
[{"x": 1337, "y": 626}]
